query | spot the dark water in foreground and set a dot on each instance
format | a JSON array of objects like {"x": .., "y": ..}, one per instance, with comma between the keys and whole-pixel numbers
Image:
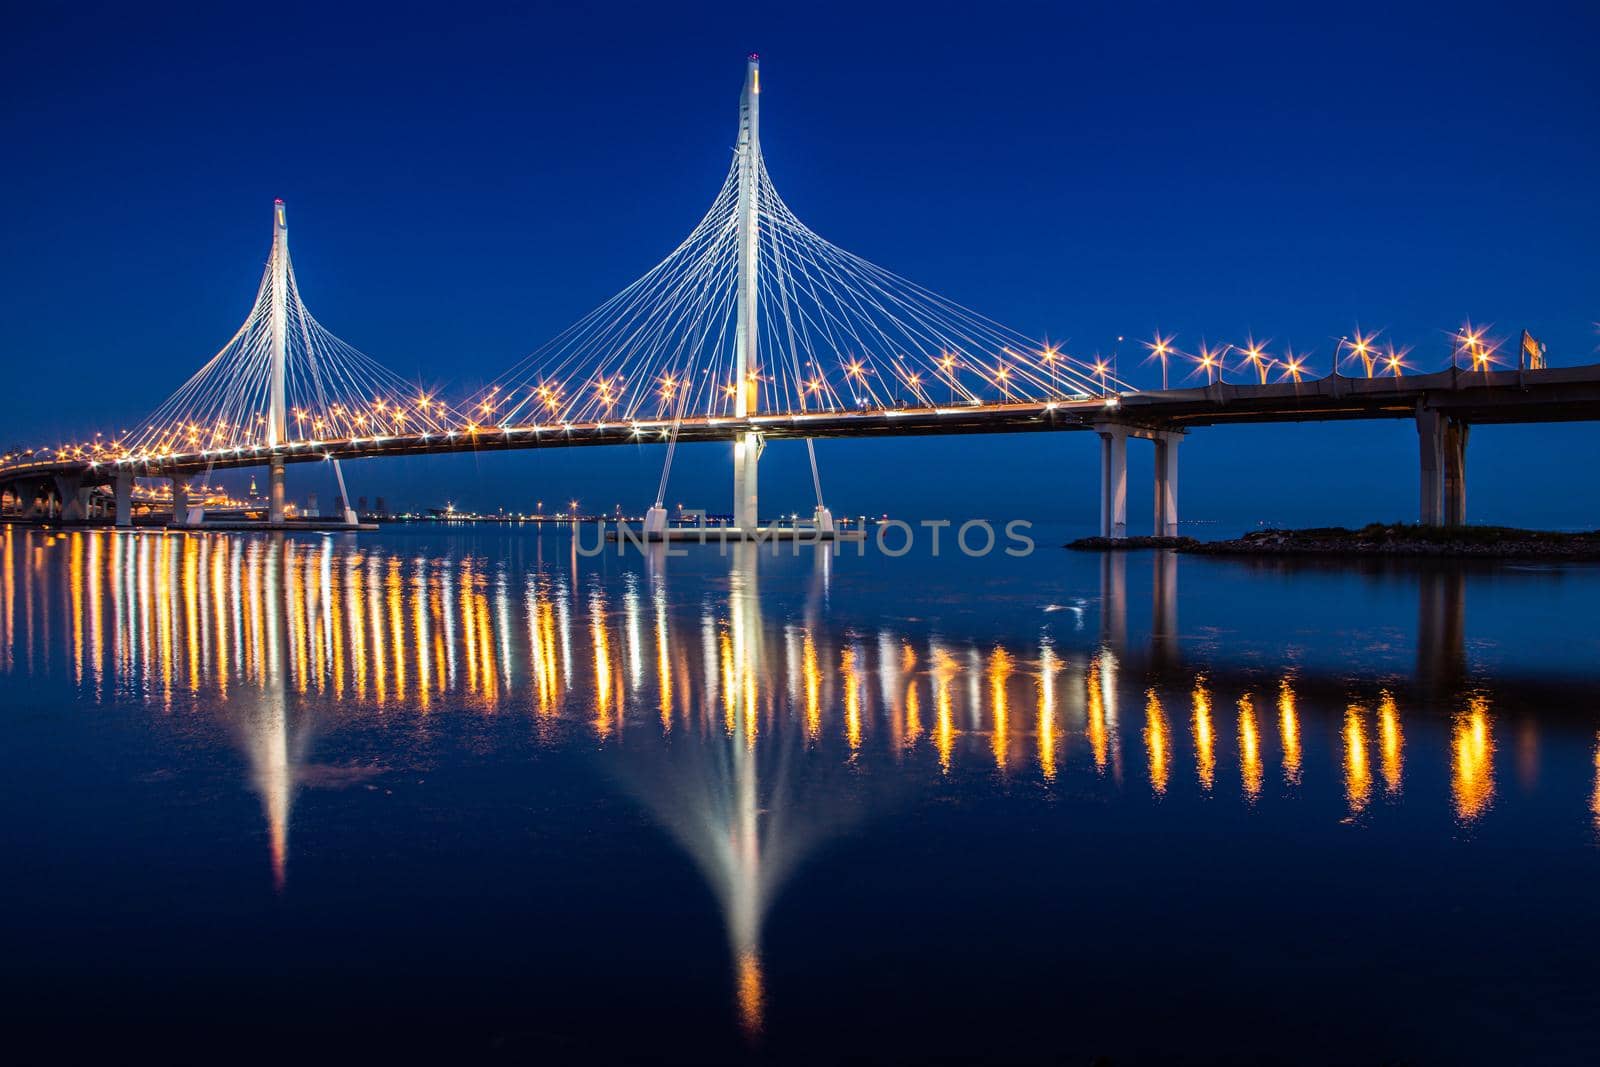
[{"x": 429, "y": 790}]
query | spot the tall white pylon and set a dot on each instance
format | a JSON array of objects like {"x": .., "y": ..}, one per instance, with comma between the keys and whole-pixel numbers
[
  {"x": 747, "y": 448},
  {"x": 278, "y": 415}
]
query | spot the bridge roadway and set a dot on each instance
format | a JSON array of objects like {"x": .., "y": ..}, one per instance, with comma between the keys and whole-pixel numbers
[{"x": 1444, "y": 404}]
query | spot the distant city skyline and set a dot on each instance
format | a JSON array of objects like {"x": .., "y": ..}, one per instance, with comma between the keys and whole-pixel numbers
[{"x": 460, "y": 199}]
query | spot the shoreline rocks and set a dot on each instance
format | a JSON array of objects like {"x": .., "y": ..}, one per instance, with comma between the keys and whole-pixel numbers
[
  {"x": 1379, "y": 539},
  {"x": 1128, "y": 544}
]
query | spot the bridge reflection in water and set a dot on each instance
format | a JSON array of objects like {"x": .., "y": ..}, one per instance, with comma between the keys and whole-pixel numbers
[{"x": 751, "y": 734}]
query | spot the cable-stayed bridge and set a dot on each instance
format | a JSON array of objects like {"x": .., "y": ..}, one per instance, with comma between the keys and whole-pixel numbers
[{"x": 755, "y": 328}]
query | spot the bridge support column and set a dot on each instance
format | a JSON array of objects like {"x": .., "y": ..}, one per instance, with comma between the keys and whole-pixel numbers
[
  {"x": 180, "y": 500},
  {"x": 123, "y": 489},
  {"x": 746, "y": 455},
  {"x": 1166, "y": 503},
  {"x": 275, "y": 491},
  {"x": 1430, "y": 438},
  {"x": 1455, "y": 472},
  {"x": 73, "y": 497},
  {"x": 1113, "y": 481},
  {"x": 38, "y": 501}
]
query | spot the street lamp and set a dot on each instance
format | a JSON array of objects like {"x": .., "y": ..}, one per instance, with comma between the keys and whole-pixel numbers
[
  {"x": 1338, "y": 346},
  {"x": 1255, "y": 355},
  {"x": 1293, "y": 366},
  {"x": 1050, "y": 354},
  {"x": 1362, "y": 348},
  {"x": 1210, "y": 360},
  {"x": 1479, "y": 351},
  {"x": 947, "y": 363},
  {"x": 1160, "y": 349}
]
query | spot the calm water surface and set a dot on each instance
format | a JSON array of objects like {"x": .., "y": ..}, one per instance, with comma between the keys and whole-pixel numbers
[{"x": 463, "y": 789}]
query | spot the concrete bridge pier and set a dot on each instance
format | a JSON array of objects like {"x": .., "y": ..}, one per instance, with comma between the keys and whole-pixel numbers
[
  {"x": 275, "y": 491},
  {"x": 123, "y": 490},
  {"x": 74, "y": 497},
  {"x": 35, "y": 502},
  {"x": 1113, "y": 480},
  {"x": 1166, "y": 487},
  {"x": 39, "y": 499},
  {"x": 747, "y": 448},
  {"x": 1443, "y": 444},
  {"x": 1455, "y": 472},
  {"x": 180, "y": 499},
  {"x": 21, "y": 502},
  {"x": 1430, "y": 439}
]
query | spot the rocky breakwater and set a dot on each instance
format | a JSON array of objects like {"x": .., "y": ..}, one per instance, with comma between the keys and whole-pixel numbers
[{"x": 1380, "y": 539}]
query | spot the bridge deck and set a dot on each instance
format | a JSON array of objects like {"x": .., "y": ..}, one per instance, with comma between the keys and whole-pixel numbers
[{"x": 1553, "y": 395}]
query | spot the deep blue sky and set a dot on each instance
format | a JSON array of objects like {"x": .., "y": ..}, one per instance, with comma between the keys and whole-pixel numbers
[{"x": 463, "y": 182}]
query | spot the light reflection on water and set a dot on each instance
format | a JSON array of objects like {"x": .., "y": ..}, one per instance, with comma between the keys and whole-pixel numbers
[{"x": 732, "y": 720}]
